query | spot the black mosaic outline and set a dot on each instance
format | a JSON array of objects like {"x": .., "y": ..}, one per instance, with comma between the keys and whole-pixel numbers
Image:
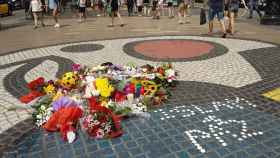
[
  {"x": 14, "y": 82},
  {"x": 82, "y": 48},
  {"x": 218, "y": 50}
]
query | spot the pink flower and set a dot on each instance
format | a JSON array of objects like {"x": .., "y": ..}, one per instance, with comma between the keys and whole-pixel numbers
[
  {"x": 76, "y": 67},
  {"x": 99, "y": 133}
]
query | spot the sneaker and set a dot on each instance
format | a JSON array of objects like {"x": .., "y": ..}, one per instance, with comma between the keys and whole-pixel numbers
[
  {"x": 43, "y": 25},
  {"x": 224, "y": 35},
  {"x": 122, "y": 25},
  {"x": 57, "y": 25},
  {"x": 98, "y": 15},
  {"x": 35, "y": 27}
]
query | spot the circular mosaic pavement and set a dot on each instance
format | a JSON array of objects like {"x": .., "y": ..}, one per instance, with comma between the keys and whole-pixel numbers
[
  {"x": 80, "y": 48},
  {"x": 217, "y": 110},
  {"x": 174, "y": 50}
]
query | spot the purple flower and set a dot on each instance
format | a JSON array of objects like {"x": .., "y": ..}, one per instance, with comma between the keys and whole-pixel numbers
[{"x": 63, "y": 102}]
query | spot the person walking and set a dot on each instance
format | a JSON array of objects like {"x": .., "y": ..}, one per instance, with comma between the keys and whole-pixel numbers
[
  {"x": 36, "y": 8},
  {"x": 27, "y": 8},
  {"x": 253, "y": 5},
  {"x": 231, "y": 11},
  {"x": 155, "y": 9},
  {"x": 54, "y": 5},
  {"x": 182, "y": 11},
  {"x": 216, "y": 8},
  {"x": 139, "y": 7},
  {"x": 130, "y": 4},
  {"x": 82, "y": 10},
  {"x": 115, "y": 12},
  {"x": 170, "y": 9},
  {"x": 146, "y": 4}
]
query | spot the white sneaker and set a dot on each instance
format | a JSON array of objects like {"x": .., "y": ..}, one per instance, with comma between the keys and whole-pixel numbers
[
  {"x": 56, "y": 25},
  {"x": 98, "y": 15}
]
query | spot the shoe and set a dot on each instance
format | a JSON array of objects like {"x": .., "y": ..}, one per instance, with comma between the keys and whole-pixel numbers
[
  {"x": 43, "y": 25},
  {"x": 57, "y": 25},
  {"x": 122, "y": 25},
  {"x": 181, "y": 22},
  {"x": 111, "y": 25},
  {"x": 35, "y": 27},
  {"x": 98, "y": 15},
  {"x": 224, "y": 35},
  {"x": 250, "y": 17}
]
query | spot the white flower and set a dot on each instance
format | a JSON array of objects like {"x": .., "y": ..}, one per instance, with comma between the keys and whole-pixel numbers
[
  {"x": 39, "y": 116},
  {"x": 43, "y": 107}
]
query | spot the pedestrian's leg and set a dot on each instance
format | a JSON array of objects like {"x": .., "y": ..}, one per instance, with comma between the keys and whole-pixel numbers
[
  {"x": 231, "y": 22},
  {"x": 42, "y": 18},
  {"x": 258, "y": 11},
  {"x": 35, "y": 20},
  {"x": 55, "y": 15},
  {"x": 185, "y": 14},
  {"x": 251, "y": 11},
  {"x": 169, "y": 11},
  {"x": 113, "y": 16},
  {"x": 119, "y": 16},
  {"x": 180, "y": 17},
  {"x": 210, "y": 27},
  {"x": 223, "y": 28}
]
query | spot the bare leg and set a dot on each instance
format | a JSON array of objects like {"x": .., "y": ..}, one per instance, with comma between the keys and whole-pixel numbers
[
  {"x": 42, "y": 19},
  {"x": 113, "y": 16},
  {"x": 35, "y": 20},
  {"x": 210, "y": 27},
  {"x": 119, "y": 16},
  {"x": 223, "y": 28},
  {"x": 55, "y": 15},
  {"x": 231, "y": 23}
]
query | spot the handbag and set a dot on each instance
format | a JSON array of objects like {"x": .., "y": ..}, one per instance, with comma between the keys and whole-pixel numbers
[
  {"x": 202, "y": 16},
  {"x": 109, "y": 10}
]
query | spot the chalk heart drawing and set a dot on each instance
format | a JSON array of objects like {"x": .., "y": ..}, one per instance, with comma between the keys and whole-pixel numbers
[{"x": 215, "y": 124}]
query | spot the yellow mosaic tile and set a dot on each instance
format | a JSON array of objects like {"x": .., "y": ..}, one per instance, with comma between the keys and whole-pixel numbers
[{"x": 273, "y": 94}]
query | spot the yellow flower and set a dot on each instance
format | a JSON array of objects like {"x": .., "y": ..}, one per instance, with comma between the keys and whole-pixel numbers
[
  {"x": 57, "y": 95},
  {"x": 104, "y": 87},
  {"x": 50, "y": 89}
]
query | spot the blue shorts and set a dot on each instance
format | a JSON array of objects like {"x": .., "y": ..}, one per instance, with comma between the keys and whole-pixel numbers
[
  {"x": 213, "y": 12},
  {"x": 53, "y": 4}
]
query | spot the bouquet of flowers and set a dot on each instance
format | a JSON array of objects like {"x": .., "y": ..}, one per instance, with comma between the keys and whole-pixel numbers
[{"x": 98, "y": 97}]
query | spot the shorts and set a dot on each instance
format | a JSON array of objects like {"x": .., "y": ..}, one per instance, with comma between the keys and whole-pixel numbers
[
  {"x": 169, "y": 4},
  {"x": 139, "y": 8},
  {"x": 82, "y": 9},
  {"x": 53, "y": 4},
  {"x": 234, "y": 8},
  {"x": 213, "y": 12}
]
